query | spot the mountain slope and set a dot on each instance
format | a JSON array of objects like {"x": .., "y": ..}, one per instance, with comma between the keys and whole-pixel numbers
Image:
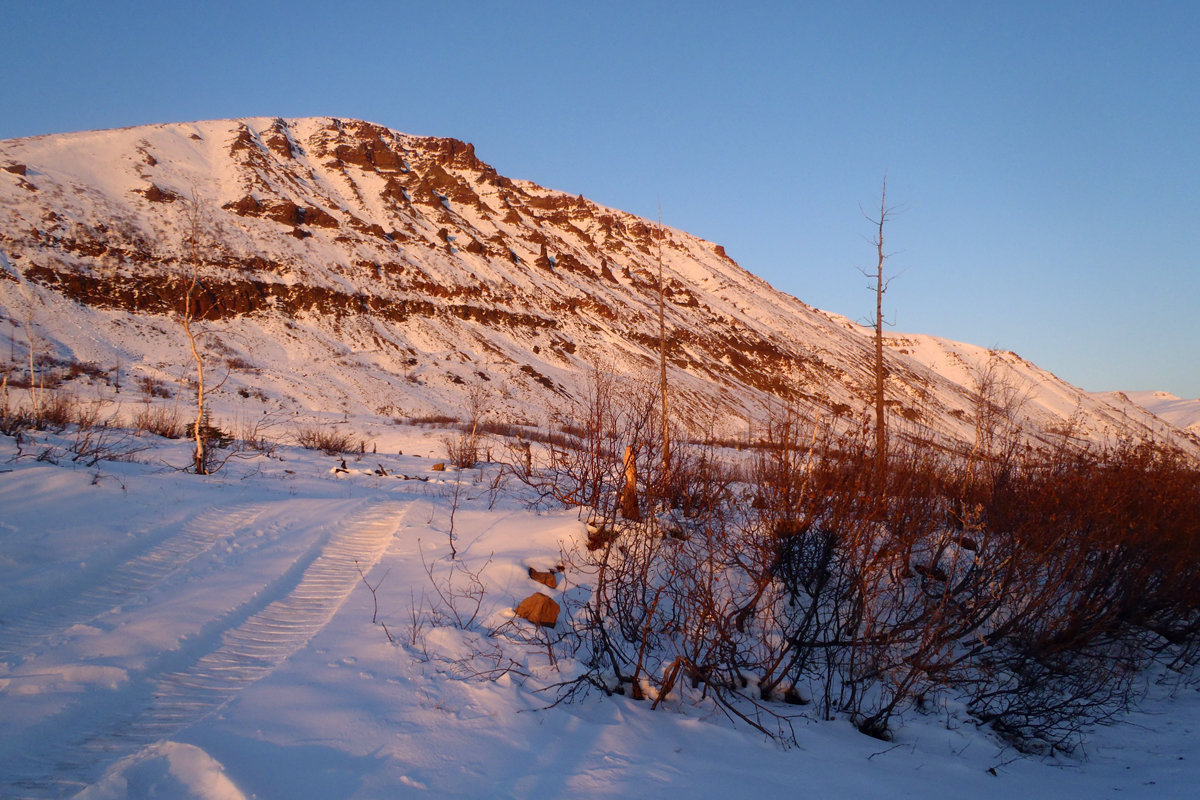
[
  {"x": 349, "y": 267},
  {"x": 1174, "y": 409}
]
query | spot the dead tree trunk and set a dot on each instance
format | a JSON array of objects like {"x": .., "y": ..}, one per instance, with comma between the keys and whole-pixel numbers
[
  {"x": 880, "y": 287},
  {"x": 662, "y": 366},
  {"x": 629, "y": 498}
]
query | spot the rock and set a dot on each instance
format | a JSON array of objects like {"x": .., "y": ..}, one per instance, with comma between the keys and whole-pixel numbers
[
  {"x": 546, "y": 578},
  {"x": 539, "y": 609},
  {"x": 156, "y": 194}
]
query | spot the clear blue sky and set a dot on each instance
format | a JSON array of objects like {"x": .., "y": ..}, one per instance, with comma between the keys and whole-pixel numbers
[{"x": 1045, "y": 153}]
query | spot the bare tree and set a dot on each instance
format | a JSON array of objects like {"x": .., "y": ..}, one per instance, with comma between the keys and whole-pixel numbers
[
  {"x": 880, "y": 288},
  {"x": 36, "y": 395},
  {"x": 194, "y": 232},
  {"x": 662, "y": 363}
]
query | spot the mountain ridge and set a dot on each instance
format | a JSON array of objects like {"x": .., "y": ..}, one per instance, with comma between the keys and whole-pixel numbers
[{"x": 407, "y": 273}]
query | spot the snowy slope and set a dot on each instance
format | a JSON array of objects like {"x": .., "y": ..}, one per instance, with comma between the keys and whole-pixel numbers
[
  {"x": 166, "y": 635},
  {"x": 1174, "y": 409},
  {"x": 350, "y": 268}
]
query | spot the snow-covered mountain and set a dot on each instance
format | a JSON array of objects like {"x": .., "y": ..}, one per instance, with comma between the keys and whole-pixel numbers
[
  {"x": 348, "y": 267},
  {"x": 1176, "y": 410}
]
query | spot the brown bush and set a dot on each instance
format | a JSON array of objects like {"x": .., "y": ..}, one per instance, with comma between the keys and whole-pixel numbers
[
  {"x": 1033, "y": 586},
  {"x": 328, "y": 440},
  {"x": 159, "y": 420}
]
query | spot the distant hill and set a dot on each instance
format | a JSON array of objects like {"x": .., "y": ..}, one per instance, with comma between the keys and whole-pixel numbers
[{"x": 1175, "y": 410}]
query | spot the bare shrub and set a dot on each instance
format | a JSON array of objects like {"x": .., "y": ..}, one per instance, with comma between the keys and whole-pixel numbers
[
  {"x": 13, "y": 418},
  {"x": 56, "y": 410},
  {"x": 97, "y": 440},
  {"x": 328, "y": 440},
  {"x": 431, "y": 419},
  {"x": 1031, "y": 586},
  {"x": 462, "y": 449},
  {"x": 152, "y": 387},
  {"x": 253, "y": 434},
  {"x": 460, "y": 591},
  {"x": 159, "y": 420},
  {"x": 583, "y": 463},
  {"x": 239, "y": 363}
]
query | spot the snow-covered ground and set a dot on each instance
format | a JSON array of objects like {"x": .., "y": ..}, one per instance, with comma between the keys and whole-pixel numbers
[{"x": 168, "y": 635}]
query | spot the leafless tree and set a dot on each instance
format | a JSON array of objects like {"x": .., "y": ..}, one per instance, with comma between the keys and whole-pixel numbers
[
  {"x": 662, "y": 363},
  {"x": 194, "y": 231},
  {"x": 880, "y": 287}
]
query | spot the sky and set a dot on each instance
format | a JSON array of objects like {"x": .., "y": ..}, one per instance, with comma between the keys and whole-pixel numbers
[{"x": 1042, "y": 157}]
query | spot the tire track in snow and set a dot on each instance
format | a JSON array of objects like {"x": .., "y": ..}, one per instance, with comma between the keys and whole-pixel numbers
[
  {"x": 183, "y": 687},
  {"x": 126, "y": 581}
]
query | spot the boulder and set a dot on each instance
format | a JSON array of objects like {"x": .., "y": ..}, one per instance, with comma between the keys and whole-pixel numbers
[
  {"x": 547, "y": 578},
  {"x": 539, "y": 609}
]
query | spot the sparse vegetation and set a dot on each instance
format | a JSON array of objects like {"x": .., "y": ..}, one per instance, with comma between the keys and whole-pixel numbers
[
  {"x": 463, "y": 449},
  {"x": 329, "y": 440},
  {"x": 159, "y": 420},
  {"x": 91, "y": 431},
  {"x": 152, "y": 387},
  {"x": 1033, "y": 587}
]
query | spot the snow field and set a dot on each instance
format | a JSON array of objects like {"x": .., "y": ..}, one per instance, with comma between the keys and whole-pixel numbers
[{"x": 166, "y": 635}]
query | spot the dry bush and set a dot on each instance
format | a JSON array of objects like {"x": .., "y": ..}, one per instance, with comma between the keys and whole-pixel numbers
[
  {"x": 462, "y": 449},
  {"x": 583, "y": 464},
  {"x": 97, "y": 440},
  {"x": 152, "y": 387},
  {"x": 90, "y": 433},
  {"x": 56, "y": 410},
  {"x": 431, "y": 419},
  {"x": 1033, "y": 587},
  {"x": 14, "y": 419},
  {"x": 1105, "y": 551},
  {"x": 328, "y": 440},
  {"x": 253, "y": 434},
  {"x": 159, "y": 420}
]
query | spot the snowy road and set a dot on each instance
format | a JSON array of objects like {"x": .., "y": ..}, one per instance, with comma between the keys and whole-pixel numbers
[{"x": 224, "y": 653}]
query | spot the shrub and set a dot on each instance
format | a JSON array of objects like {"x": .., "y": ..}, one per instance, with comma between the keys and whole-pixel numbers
[
  {"x": 1031, "y": 587},
  {"x": 159, "y": 420},
  {"x": 152, "y": 387},
  {"x": 56, "y": 411},
  {"x": 328, "y": 440}
]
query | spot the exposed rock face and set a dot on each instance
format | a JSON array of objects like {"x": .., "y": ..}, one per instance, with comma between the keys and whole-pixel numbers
[
  {"x": 539, "y": 609},
  {"x": 423, "y": 273}
]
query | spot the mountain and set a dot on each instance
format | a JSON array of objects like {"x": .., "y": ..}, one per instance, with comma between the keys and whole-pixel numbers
[
  {"x": 347, "y": 267},
  {"x": 1174, "y": 409}
]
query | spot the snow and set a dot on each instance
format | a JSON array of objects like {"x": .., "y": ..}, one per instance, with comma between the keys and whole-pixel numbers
[
  {"x": 167, "y": 635},
  {"x": 1176, "y": 410}
]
